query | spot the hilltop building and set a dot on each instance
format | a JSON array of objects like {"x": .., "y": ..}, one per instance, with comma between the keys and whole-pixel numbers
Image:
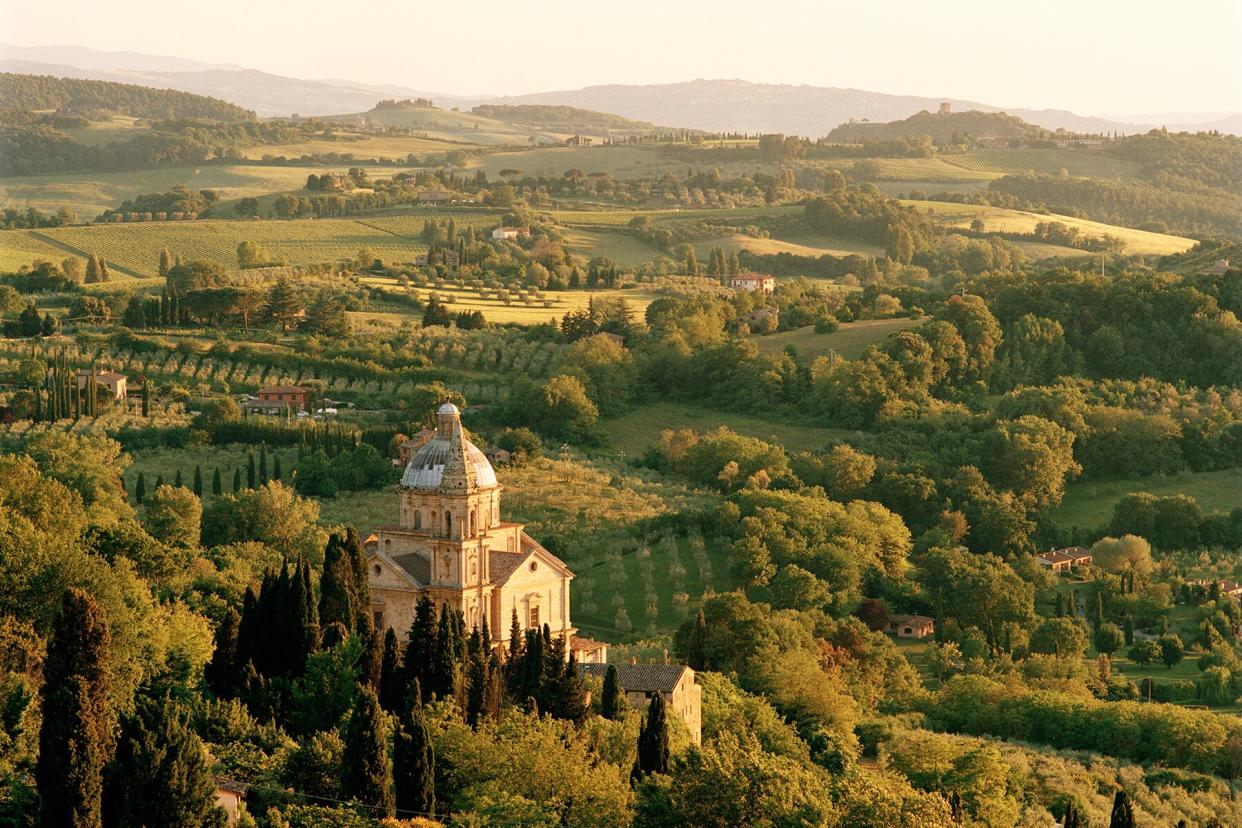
[{"x": 451, "y": 544}]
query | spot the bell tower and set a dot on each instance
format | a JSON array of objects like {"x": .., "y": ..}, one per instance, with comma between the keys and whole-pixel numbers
[{"x": 463, "y": 510}]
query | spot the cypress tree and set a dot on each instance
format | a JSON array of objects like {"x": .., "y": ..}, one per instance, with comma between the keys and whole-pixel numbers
[
  {"x": 75, "y": 740},
  {"x": 146, "y": 398},
  {"x": 221, "y": 672},
  {"x": 160, "y": 774},
  {"x": 276, "y": 475},
  {"x": 390, "y": 694},
  {"x": 1099, "y": 608},
  {"x": 515, "y": 640},
  {"x": 305, "y": 618},
  {"x": 653, "y": 740},
  {"x": 250, "y": 470},
  {"x": 367, "y": 768},
  {"x": 419, "y": 648},
  {"x": 442, "y": 675},
  {"x": 1123, "y": 813},
  {"x": 371, "y": 668},
  {"x": 217, "y": 485},
  {"x": 336, "y": 586},
  {"x": 159, "y": 480},
  {"x": 356, "y": 552},
  {"x": 140, "y": 488},
  {"x": 237, "y": 480},
  {"x": 476, "y": 693},
  {"x": 1060, "y": 605},
  {"x": 198, "y": 481},
  {"x": 571, "y": 702},
  {"x": 696, "y": 643},
  {"x": 1072, "y": 817},
  {"x": 177, "y": 480},
  {"x": 262, "y": 463},
  {"x": 610, "y": 700},
  {"x": 414, "y": 764},
  {"x": 955, "y": 808}
]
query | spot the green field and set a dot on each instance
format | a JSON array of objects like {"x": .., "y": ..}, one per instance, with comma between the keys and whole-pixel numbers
[
  {"x": 624, "y": 249},
  {"x": 545, "y": 307},
  {"x": 798, "y": 245},
  {"x": 849, "y": 341},
  {"x": 89, "y": 194},
  {"x": 635, "y": 432},
  {"x": 1091, "y": 163},
  {"x": 136, "y": 246},
  {"x": 1002, "y": 220},
  {"x": 1089, "y": 504},
  {"x": 18, "y": 248},
  {"x": 447, "y": 125},
  {"x": 614, "y": 218},
  {"x": 358, "y": 145}
]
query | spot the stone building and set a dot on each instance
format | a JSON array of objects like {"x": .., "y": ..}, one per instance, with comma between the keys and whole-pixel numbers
[
  {"x": 675, "y": 682},
  {"x": 451, "y": 543}
]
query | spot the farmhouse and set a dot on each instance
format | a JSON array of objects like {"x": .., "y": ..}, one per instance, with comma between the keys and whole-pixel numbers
[
  {"x": 1065, "y": 560},
  {"x": 752, "y": 282},
  {"x": 675, "y": 682},
  {"x": 229, "y": 796},
  {"x": 405, "y": 451},
  {"x": 435, "y": 196},
  {"x": 509, "y": 233},
  {"x": 451, "y": 545},
  {"x": 1220, "y": 268},
  {"x": 911, "y": 626},
  {"x": 278, "y": 399},
  {"x": 114, "y": 382}
]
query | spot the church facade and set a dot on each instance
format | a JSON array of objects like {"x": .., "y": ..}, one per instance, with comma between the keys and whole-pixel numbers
[{"x": 451, "y": 543}]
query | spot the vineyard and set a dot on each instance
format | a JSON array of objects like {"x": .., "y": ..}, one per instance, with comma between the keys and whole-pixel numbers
[{"x": 1091, "y": 163}]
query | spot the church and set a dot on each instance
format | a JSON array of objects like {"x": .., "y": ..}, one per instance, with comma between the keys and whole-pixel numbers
[{"x": 451, "y": 544}]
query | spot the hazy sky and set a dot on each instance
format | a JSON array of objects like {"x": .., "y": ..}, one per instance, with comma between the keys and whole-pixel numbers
[{"x": 1091, "y": 56}]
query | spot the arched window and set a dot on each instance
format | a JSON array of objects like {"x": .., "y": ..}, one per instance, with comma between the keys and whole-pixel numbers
[
  {"x": 448, "y": 523},
  {"x": 473, "y": 527},
  {"x": 418, "y": 518},
  {"x": 388, "y": 544}
]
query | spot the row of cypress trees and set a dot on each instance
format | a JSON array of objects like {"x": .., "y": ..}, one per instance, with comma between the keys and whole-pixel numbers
[{"x": 254, "y": 477}]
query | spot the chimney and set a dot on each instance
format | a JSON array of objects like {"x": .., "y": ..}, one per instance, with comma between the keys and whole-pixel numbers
[{"x": 633, "y": 661}]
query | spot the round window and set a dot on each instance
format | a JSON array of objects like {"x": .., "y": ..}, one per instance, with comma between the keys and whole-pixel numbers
[
  {"x": 378, "y": 570},
  {"x": 534, "y": 565}
]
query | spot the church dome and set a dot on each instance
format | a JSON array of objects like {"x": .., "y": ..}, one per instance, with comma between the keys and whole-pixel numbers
[{"x": 448, "y": 449}]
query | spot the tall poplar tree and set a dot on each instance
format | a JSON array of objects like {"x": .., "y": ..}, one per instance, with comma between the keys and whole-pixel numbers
[{"x": 75, "y": 740}]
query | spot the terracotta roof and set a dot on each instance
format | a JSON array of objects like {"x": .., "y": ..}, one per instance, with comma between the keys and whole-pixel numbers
[
  {"x": 283, "y": 389},
  {"x": 913, "y": 620},
  {"x": 641, "y": 678},
  {"x": 504, "y": 564},
  {"x": 586, "y": 645},
  {"x": 1056, "y": 556},
  {"x": 225, "y": 784},
  {"x": 415, "y": 564}
]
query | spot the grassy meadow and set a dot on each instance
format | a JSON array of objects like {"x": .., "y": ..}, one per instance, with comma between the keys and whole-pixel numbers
[
  {"x": 89, "y": 194},
  {"x": 634, "y": 432},
  {"x": 1002, "y": 220},
  {"x": 1089, "y": 504},
  {"x": 848, "y": 341}
]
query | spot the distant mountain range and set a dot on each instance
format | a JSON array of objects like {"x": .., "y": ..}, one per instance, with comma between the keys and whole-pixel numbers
[{"x": 715, "y": 105}]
